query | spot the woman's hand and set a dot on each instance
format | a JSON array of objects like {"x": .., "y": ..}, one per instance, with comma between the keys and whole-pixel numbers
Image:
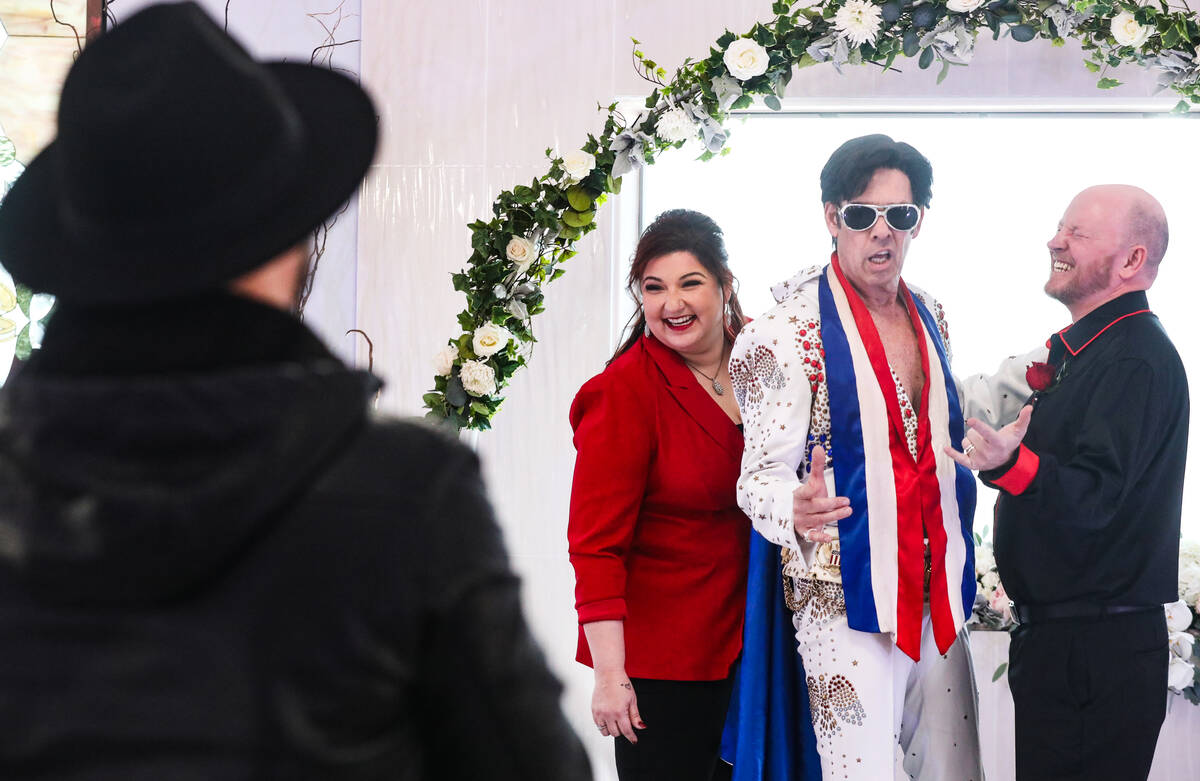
[{"x": 614, "y": 705}]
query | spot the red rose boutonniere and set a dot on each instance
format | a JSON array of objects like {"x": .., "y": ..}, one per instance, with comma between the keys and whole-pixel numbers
[{"x": 1039, "y": 375}]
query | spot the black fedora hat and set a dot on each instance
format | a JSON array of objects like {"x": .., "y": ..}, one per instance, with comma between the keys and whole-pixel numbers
[{"x": 181, "y": 163}]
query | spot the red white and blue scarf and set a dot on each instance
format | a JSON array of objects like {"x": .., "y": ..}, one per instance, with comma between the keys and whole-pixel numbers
[{"x": 896, "y": 501}]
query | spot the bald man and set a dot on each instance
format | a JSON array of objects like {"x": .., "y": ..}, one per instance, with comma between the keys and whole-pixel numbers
[{"x": 1087, "y": 523}]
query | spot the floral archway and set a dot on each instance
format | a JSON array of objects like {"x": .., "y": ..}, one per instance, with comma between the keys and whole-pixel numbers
[{"x": 534, "y": 227}]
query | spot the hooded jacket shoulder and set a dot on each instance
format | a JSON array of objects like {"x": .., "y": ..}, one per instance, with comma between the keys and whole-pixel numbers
[{"x": 236, "y": 571}]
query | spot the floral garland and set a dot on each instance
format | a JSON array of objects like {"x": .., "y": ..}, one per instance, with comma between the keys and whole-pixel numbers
[
  {"x": 992, "y": 612},
  {"x": 534, "y": 227}
]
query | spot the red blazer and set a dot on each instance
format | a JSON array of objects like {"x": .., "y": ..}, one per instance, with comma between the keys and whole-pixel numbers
[{"x": 655, "y": 533}]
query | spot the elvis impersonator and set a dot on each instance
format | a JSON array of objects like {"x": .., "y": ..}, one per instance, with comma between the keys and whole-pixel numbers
[{"x": 849, "y": 404}]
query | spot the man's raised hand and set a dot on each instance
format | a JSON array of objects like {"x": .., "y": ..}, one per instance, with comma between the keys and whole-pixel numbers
[
  {"x": 812, "y": 506},
  {"x": 985, "y": 448}
]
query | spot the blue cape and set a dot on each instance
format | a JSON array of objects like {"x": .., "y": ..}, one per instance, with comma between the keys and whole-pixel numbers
[{"x": 768, "y": 732}]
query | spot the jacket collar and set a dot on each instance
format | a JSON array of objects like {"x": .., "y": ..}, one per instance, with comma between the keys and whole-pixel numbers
[
  {"x": 694, "y": 400},
  {"x": 1077, "y": 336}
]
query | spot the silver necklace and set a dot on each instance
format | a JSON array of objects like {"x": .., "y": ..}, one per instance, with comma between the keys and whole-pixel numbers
[{"x": 717, "y": 387}]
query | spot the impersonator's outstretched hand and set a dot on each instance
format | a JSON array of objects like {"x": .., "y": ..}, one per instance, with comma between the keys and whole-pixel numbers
[
  {"x": 985, "y": 448},
  {"x": 813, "y": 507}
]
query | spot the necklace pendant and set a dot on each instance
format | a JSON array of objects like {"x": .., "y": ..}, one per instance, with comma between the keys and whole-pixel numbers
[{"x": 718, "y": 388}]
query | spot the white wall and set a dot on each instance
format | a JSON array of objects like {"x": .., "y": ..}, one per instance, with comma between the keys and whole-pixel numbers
[
  {"x": 284, "y": 30},
  {"x": 471, "y": 93}
]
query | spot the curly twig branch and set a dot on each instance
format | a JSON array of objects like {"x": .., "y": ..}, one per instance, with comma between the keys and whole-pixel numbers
[{"x": 78, "y": 40}]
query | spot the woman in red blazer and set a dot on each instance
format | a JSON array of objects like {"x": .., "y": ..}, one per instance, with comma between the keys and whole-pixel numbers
[{"x": 657, "y": 540}]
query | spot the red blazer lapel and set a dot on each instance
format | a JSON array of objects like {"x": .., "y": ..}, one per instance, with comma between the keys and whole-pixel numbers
[{"x": 694, "y": 400}]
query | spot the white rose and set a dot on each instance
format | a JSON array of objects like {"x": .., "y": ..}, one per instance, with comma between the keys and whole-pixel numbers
[
  {"x": 522, "y": 252},
  {"x": 1127, "y": 32},
  {"x": 443, "y": 360},
  {"x": 1180, "y": 674},
  {"x": 985, "y": 561},
  {"x": 746, "y": 59},
  {"x": 675, "y": 125},
  {"x": 489, "y": 339},
  {"x": 990, "y": 581},
  {"x": 578, "y": 164},
  {"x": 963, "y": 6},
  {"x": 1179, "y": 616},
  {"x": 1181, "y": 644},
  {"x": 477, "y": 378}
]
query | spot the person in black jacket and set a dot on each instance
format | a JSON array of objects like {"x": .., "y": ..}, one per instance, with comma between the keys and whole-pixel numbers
[
  {"x": 1088, "y": 516},
  {"x": 214, "y": 563}
]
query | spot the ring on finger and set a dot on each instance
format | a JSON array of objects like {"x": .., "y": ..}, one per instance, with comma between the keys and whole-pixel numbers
[
  {"x": 969, "y": 449},
  {"x": 808, "y": 533},
  {"x": 602, "y": 727}
]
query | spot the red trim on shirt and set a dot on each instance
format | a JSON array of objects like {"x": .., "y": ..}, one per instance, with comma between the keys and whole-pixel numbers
[
  {"x": 1018, "y": 478},
  {"x": 1077, "y": 350}
]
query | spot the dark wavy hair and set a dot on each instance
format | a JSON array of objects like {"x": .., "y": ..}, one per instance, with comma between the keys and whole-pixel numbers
[
  {"x": 851, "y": 166},
  {"x": 680, "y": 230}
]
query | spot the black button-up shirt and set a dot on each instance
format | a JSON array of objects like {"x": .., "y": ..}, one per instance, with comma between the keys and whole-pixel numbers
[{"x": 1099, "y": 519}]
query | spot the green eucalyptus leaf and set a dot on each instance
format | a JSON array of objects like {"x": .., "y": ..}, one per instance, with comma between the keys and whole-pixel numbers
[
  {"x": 999, "y": 671},
  {"x": 912, "y": 42},
  {"x": 772, "y": 103},
  {"x": 24, "y": 296},
  {"x": 945, "y": 69},
  {"x": 577, "y": 219},
  {"x": 24, "y": 347},
  {"x": 1024, "y": 33},
  {"x": 743, "y": 101},
  {"x": 926, "y": 58},
  {"x": 456, "y": 396},
  {"x": 925, "y": 16},
  {"x": 580, "y": 201}
]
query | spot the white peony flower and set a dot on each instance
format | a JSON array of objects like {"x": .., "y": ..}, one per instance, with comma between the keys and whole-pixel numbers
[
  {"x": 1189, "y": 552},
  {"x": 477, "y": 378},
  {"x": 578, "y": 164},
  {"x": 675, "y": 125},
  {"x": 858, "y": 21},
  {"x": 1127, "y": 32},
  {"x": 1189, "y": 580},
  {"x": 1180, "y": 674},
  {"x": 522, "y": 252},
  {"x": 1000, "y": 602},
  {"x": 489, "y": 339},
  {"x": 1181, "y": 644},
  {"x": 1179, "y": 616},
  {"x": 746, "y": 59},
  {"x": 963, "y": 6},
  {"x": 985, "y": 560},
  {"x": 443, "y": 360}
]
